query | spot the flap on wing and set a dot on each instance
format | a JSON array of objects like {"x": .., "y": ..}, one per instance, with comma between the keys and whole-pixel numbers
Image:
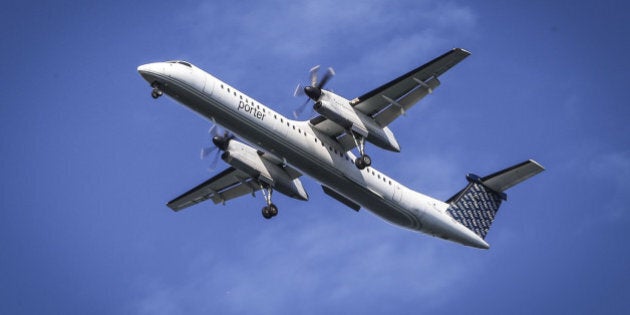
[
  {"x": 400, "y": 106},
  {"x": 378, "y": 99},
  {"x": 224, "y": 186}
]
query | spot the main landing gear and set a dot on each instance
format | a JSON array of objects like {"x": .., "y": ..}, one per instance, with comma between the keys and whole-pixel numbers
[
  {"x": 157, "y": 91},
  {"x": 363, "y": 160},
  {"x": 270, "y": 210}
]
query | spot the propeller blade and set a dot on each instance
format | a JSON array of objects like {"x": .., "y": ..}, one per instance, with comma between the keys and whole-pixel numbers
[
  {"x": 329, "y": 74},
  {"x": 206, "y": 151},
  {"x": 299, "y": 90},
  {"x": 298, "y": 112},
  {"x": 213, "y": 164},
  {"x": 213, "y": 130},
  {"x": 313, "y": 91},
  {"x": 220, "y": 138},
  {"x": 313, "y": 73}
]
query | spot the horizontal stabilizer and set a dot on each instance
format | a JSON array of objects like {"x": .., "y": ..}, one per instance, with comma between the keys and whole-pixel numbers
[
  {"x": 501, "y": 181},
  {"x": 476, "y": 205}
]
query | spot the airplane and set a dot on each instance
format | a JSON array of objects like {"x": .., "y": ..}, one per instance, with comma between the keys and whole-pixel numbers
[{"x": 269, "y": 152}]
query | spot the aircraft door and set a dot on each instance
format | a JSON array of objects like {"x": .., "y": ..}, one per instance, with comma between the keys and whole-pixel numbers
[{"x": 397, "y": 197}]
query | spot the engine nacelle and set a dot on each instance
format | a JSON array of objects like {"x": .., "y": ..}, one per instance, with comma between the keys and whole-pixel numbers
[
  {"x": 345, "y": 116},
  {"x": 246, "y": 159},
  {"x": 328, "y": 110}
]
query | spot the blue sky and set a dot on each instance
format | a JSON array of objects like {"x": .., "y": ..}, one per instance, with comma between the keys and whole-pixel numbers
[{"x": 89, "y": 159}]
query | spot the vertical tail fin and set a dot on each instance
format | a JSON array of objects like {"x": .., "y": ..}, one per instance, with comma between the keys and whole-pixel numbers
[{"x": 476, "y": 205}]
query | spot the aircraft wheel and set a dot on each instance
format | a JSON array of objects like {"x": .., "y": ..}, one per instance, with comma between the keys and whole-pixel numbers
[
  {"x": 155, "y": 94},
  {"x": 360, "y": 164},
  {"x": 367, "y": 160},
  {"x": 273, "y": 210},
  {"x": 266, "y": 213}
]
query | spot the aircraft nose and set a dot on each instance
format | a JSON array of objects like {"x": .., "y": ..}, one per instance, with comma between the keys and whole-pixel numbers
[
  {"x": 150, "y": 70},
  {"x": 143, "y": 68},
  {"x": 150, "y": 67}
]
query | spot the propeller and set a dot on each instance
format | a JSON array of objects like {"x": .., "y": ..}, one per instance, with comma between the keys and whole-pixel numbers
[
  {"x": 313, "y": 91},
  {"x": 221, "y": 140}
]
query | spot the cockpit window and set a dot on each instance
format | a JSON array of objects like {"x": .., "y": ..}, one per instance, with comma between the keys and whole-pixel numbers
[{"x": 185, "y": 63}]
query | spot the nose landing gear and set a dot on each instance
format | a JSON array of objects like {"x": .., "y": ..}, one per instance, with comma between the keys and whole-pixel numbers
[{"x": 157, "y": 91}]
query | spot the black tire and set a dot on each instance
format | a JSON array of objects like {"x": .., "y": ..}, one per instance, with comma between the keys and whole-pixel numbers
[
  {"x": 155, "y": 94},
  {"x": 266, "y": 213},
  {"x": 367, "y": 160},
  {"x": 273, "y": 210},
  {"x": 359, "y": 163}
]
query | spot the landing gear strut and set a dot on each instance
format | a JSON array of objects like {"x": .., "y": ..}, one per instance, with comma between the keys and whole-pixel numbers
[
  {"x": 270, "y": 210},
  {"x": 157, "y": 92},
  {"x": 363, "y": 160}
]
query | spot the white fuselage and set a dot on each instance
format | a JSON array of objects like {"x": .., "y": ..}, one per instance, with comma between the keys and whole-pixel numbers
[{"x": 308, "y": 150}]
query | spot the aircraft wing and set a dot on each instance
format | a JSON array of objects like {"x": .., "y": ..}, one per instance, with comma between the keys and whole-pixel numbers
[
  {"x": 392, "y": 99},
  {"x": 387, "y": 102},
  {"x": 229, "y": 184}
]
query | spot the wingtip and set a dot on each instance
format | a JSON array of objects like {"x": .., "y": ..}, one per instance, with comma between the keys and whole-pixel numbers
[
  {"x": 542, "y": 168},
  {"x": 462, "y": 50}
]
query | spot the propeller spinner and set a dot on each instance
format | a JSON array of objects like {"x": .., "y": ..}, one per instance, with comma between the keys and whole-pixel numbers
[
  {"x": 220, "y": 141},
  {"x": 313, "y": 91}
]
